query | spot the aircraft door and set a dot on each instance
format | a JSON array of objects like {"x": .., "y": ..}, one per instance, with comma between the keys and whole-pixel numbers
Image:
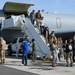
[{"x": 58, "y": 22}]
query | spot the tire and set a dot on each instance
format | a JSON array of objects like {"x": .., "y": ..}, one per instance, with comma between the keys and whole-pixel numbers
[{"x": 9, "y": 50}]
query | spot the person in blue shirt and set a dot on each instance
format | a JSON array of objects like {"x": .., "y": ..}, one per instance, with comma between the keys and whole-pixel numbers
[{"x": 25, "y": 52}]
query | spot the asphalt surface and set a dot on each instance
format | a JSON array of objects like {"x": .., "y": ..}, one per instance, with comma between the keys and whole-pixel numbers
[
  {"x": 13, "y": 66},
  {"x": 10, "y": 71}
]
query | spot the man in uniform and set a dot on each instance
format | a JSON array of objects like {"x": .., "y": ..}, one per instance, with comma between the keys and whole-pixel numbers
[
  {"x": 52, "y": 37},
  {"x": 69, "y": 53},
  {"x": 2, "y": 49},
  {"x": 34, "y": 50}
]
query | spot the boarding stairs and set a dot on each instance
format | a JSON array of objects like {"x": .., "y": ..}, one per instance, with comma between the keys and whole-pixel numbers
[{"x": 31, "y": 32}]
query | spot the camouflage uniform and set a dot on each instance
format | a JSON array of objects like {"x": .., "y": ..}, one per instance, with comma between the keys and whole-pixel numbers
[
  {"x": 2, "y": 49},
  {"x": 69, "y": 58},
  {"x": 54, "y": 54},
  {"x": 51, "y": 39},
  {"x": 34, "y": 50},
  {"x": 69, "y": 54}
]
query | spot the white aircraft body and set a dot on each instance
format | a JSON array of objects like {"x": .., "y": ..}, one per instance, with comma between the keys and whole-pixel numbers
[{"x": 62, "y": 24}]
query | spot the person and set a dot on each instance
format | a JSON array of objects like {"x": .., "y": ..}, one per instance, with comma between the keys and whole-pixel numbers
[
  {"x": 61, "y": 52},
  {"x": 74, "y": 48},
  {"x": 2, "y": 49},
  {"x": 25, "y": 52},
  {"x": 34, "y": 50},
  {"x": 38, "y": 18},
  {"x": 32, "y": 16},
  {"x": 52, "y": 37},
  {"x": 54, "y": 52},
  {"x": 46, "y": 34},
  {"x": 42, "y": 25},
  {"x": 69, "y": 53},
  {"x": 64, "y": 48}
]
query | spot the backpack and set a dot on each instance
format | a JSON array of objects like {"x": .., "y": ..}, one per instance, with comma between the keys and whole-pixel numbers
[{"x": 70, "y": 47}]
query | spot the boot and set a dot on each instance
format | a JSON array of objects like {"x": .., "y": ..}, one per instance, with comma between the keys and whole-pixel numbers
[
  {"x": 68, "y": 65},
  {"x": 71, "y": 64},
  {"x": 3, "y": 60},
  {"x": 53, "y": 65}
]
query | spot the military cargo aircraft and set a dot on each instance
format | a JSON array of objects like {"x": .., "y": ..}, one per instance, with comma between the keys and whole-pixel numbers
[{"x": 62, "y": 24}]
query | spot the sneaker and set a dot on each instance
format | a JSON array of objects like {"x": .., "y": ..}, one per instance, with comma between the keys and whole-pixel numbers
[{"x": 22, "y": 64}]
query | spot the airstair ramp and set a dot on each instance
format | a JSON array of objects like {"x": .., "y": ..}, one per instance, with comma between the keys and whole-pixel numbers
[{"x": 32, "y": 33}]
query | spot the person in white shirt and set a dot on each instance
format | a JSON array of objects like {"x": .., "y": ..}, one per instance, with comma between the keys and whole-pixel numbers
[{"x": 42, "y": 25}]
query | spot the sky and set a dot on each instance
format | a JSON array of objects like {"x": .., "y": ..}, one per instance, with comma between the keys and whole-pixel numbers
[{"x": 59, "y": 6}]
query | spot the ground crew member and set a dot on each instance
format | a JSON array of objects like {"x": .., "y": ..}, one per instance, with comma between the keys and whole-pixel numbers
[{"x": 2, "y": 49}]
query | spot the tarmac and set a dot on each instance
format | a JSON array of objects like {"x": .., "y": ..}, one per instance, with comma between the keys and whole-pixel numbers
[{"x": 40, "y": 67}]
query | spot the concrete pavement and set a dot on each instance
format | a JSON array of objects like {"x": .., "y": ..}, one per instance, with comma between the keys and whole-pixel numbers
[
  {"x": 40, "y": 67},
  {"x": 11, "y": 71}
]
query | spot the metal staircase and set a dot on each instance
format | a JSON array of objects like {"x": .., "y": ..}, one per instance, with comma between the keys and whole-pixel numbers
[{"x": 27, "y": 27}]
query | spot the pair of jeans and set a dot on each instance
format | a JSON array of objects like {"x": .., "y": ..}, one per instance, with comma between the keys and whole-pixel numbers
[
  {"x": 32, "y": 21},
  {"x": 42, "y": 29},
  {"x": 24, "y": 58}
]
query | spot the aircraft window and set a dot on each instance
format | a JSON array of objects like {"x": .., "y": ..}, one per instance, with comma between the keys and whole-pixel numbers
[{"x": 58, "y": 22}]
